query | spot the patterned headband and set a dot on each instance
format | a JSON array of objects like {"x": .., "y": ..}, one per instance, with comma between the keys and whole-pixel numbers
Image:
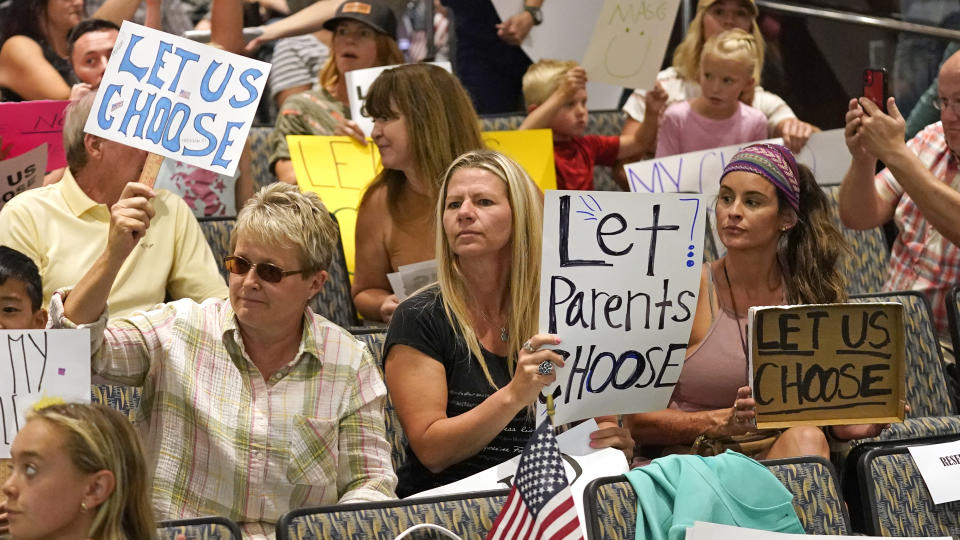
[{"x": 773, "y": 162}]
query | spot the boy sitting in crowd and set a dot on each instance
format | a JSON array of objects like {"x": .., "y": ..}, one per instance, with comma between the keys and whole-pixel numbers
[
  {"x": 555, "y": 93},
  {"x": 21, "y": 294}
]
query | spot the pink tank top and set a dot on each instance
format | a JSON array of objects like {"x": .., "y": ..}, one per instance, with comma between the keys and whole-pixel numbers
[{"x": 712, "y": 374}]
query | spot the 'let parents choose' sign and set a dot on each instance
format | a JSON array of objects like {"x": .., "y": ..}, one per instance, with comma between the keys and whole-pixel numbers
[
  {"x": 618, "y": 285},
  {"x": 178, "y": 98}
]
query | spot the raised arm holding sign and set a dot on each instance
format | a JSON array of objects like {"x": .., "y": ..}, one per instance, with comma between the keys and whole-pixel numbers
[{"x": 765, "y": 201}]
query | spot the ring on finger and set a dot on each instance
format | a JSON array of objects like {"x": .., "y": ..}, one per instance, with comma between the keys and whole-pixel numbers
[
  {"x": 527, "y": 346},
  {"x": 545, "y": 367}
]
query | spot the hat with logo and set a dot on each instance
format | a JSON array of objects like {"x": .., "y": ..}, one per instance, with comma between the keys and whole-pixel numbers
[{"x": 376, "y": 15}]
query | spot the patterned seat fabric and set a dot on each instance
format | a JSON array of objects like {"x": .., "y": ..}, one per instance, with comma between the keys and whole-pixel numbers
[
  {"x": 125, "y": 399},
  {"x": 926, "y": 386},
  {"x": 217, "y": 232},
  {"x": 204, "y": 528},
  {"x": 866, "y": 269},
  {"x": 468, "y": 516},
  {"x": 260, "y": 158},
  {"x": 374, "y": 339},
  {"x": 899, "y": 503},
  {"x": 611, "y": 503},
  {"x": 816, "y": 494}
]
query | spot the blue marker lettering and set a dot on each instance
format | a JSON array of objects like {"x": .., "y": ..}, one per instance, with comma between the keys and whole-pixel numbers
[
  {"x": 185, "y": 56},
  {"x": 251, "y": 90},
  {"x": 211, "y": 140},
  {"x": 141, "y": 113},
  {"x": 173, "y": 143},
  {"x": 224, "y": 144},
  {"x": 102, "y": 119},
  {"x": 205, "y": 92},
  {"x": 127, "y": 64}
]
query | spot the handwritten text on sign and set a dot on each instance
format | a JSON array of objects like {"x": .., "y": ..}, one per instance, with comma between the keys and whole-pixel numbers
[
  {"x": 39, "y": 363},
  {"x": 629, "y": 41},
  {"x": 26, "y": 125},
  {"x": 338, "y": 169},
  {"x": 619, "y": 284},
  {"x": 22, "y": 173},
  {"x": 699, "y": 172},
  {"x": 827, "y": 364},
  {"x": 359, "y": 81},
  {"x": 178, "y": 98}
]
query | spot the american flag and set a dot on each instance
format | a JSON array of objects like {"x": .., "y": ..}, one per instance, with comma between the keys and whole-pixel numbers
[{"x": 540, "y": 504}]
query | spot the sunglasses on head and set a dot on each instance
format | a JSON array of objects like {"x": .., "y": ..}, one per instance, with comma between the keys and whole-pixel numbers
[{"x": 266, "y": 271}]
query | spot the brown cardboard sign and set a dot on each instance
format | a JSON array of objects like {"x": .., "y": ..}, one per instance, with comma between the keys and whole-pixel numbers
[{"x": 827, "y": 364}]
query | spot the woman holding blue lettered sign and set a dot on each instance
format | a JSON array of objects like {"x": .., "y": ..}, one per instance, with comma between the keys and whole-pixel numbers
[
  {"x": 782, "y": 248},
  {"x": 460, "y": 369}
]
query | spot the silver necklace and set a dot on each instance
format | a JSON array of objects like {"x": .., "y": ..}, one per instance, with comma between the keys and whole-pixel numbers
[{"x": 504, "y": 334}]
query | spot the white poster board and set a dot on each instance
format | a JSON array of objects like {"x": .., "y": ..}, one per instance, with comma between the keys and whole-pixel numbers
[
  {"x": 618, "y": 284},
  {"x": 699, "y": 172},
  {"x": 629, "y": 40},
  {"x": 939, "y": 465},
  {"x": 178, "y": 98},
  {"x": 21, "y": 173},
  {"x": 36, "y": 364},
  {"x": 562, "y": 37},
  {"x": 358, "y": 82},
  {"x": 581, "y": 463}
]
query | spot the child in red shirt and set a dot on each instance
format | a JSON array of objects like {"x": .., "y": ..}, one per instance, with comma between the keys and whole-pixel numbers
[{"x": 556, "y": 97}]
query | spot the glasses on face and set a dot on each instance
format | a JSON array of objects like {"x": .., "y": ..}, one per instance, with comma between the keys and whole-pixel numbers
[
  {"x": 362, "y": 32},
  {"x": 266, "y": 271},
  {"x": 941, "y": 103}
]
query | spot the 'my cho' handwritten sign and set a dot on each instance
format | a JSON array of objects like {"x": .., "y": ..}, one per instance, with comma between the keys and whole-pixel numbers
[
  {"x": 178, "y": 98},
  {"x": 827, "y": 364},
  {"x": 619, "y": 284},
  {"x": 36, "y": 364}
]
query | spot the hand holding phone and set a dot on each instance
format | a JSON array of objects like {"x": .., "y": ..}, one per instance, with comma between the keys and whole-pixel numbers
[{"x": 875, "y": 87}]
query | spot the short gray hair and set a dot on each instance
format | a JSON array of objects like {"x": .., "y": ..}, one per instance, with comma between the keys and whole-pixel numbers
[
  {"x": 73, "y": 146},
  {"x": 280, "y": 214}
]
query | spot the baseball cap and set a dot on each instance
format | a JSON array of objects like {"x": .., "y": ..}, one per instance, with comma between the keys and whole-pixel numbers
[
  {"x": 749, "y": 4},
  {"x": 376, "y": 15}
]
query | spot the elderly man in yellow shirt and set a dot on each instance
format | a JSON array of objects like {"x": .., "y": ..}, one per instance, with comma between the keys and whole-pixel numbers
[{"x": 63, "y": 227}]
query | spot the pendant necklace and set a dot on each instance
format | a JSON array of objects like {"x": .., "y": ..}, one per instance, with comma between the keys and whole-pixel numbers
[{"x": 504, "y": 334}]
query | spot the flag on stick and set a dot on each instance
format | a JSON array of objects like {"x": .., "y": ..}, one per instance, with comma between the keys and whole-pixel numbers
[{"x": 540, "y": 505}]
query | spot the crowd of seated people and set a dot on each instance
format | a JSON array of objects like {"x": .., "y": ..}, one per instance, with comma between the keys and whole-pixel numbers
[{"x": 254, "y": 405}]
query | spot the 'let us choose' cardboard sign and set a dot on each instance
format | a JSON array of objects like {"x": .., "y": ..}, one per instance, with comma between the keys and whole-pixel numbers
[
  {"x": 827, "y": 364},
  {"x": 178, "y": 98},
  {"x": 618, "y": 284}
]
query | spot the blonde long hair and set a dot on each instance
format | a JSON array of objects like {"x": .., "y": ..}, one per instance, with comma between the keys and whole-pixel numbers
[
  {"x": 100, "y": 438},
  {"x": 523, "y": 282},
  {"x": 441, "y": 123},
  {"x": 686, "y": 57}
]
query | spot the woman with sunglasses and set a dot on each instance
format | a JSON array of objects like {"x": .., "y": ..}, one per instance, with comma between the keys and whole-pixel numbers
[{"x": 253, "y": 405}]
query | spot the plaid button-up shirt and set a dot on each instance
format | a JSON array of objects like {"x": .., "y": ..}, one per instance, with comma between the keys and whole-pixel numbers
[
  {"x": 922, "y": 259},
  {"x": 222, "y": 441}
]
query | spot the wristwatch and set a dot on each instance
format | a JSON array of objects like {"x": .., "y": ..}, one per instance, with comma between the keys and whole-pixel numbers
[{"x": 534, "y": 12}]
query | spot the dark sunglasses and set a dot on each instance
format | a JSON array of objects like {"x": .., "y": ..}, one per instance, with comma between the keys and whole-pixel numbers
[{"x": 266, "y": 271}]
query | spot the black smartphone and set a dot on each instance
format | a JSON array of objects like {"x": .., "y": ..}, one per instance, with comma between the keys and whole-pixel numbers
[{"x": 875, "y": 87}]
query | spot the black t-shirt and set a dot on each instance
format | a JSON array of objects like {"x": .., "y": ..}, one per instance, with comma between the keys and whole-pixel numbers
[
  {"x": 420, "y": 322},
  {"x": 62, "y": 65}
]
